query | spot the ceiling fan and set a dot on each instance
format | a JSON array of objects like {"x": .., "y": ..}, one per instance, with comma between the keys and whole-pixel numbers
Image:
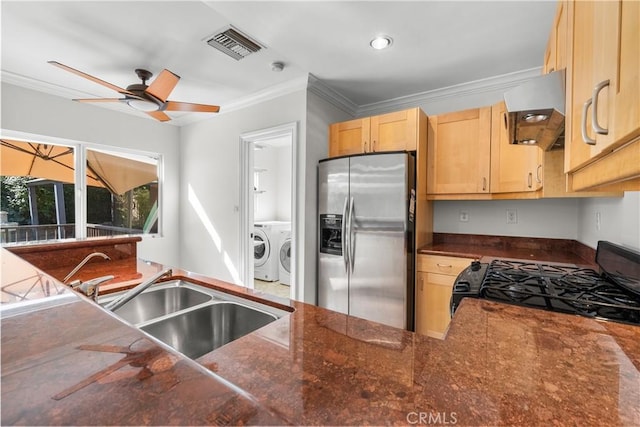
[{"x": 151, "y": 99}]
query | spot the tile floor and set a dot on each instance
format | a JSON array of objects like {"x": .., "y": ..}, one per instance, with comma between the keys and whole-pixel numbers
[{"x": 273, "y": 288}]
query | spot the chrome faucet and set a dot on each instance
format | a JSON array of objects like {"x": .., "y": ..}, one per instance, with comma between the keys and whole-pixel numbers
[
  {"x": 90, "y": 287},
  {"x": 82, "y": 263},
  {"x": 131, "y": 294}
]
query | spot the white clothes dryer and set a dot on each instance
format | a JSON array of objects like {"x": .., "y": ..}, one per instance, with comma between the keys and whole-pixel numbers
[
  {"x": 266, "y": 236},
  {"x": 284, "y": 258}
]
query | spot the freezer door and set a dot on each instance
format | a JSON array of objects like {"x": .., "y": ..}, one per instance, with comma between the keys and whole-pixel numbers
[
  {"x": 333, "y": 194},
  {"x": 377, "y": 226}
]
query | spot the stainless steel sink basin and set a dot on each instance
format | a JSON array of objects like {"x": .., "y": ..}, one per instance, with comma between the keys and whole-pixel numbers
[
  {"x": 192, "y": 318},
  {"x": 199, "y": 331},
  {"x": 161, "y": 301}
]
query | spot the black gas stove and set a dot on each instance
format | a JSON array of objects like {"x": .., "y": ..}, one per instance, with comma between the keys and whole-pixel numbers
[{"x": 613, "y": 294}]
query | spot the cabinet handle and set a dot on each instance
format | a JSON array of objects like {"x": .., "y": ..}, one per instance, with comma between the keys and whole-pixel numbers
[
  {"x": 421, "y": 284},
  {"x": 484, "y": 183},
  {"x": 583, "y": 126},
  {"x": 444, "y": 265},
  {"x": 529, "y": 180},
  {"x": 539, "y": 174},
  {"x": 506, "y": 123},
  {"x": 366, "y": 146},
  {"x": 373, "y": 150},
  {"x": 594, "y": 111}
]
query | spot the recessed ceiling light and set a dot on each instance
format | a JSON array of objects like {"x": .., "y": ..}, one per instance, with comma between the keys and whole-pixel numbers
[{"x": 381, "y": 42}]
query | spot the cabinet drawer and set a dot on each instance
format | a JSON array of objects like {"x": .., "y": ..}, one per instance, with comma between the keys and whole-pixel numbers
[{"x": 448, "y": 265}]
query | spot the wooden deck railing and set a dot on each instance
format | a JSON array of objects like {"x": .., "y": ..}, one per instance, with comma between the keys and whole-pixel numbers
[{"x": 34, "y": 233}]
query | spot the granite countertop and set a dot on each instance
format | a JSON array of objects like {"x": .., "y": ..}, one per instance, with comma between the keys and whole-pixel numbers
[
  {"x": 498, "y": 365},
  {"x": 486, "y": 247}
]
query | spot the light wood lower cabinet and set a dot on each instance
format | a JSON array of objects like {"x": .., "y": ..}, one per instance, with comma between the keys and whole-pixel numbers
[{"x": 434, "y": 283}]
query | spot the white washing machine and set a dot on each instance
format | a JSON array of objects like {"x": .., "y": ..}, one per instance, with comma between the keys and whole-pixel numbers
[
  {"x": 284, "y": 258},
  {"x": 266, "y": 236}
]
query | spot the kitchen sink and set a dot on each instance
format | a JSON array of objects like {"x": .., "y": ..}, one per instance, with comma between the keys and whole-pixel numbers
[
  {"x": 204, "y": 329},
  {"x": 161, "y": 301},
  {"x": 191, "y": 318}
]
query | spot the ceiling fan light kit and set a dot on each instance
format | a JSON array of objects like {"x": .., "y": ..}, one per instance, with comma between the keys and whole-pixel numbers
[{"x": 151, "y": 99}]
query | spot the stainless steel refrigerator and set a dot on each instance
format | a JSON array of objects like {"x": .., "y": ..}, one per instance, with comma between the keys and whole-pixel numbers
[{"x": 366, "y": 236}]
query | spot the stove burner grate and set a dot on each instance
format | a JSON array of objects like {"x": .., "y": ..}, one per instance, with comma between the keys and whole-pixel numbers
[{"x": 560, "y": 288}]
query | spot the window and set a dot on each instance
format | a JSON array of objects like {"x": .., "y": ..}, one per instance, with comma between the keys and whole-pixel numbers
[
  {"x": 38, "y": 184},
  {"x": 126, "y": 199}
]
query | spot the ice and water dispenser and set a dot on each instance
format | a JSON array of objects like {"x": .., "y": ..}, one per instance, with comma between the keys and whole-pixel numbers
[{"x": 331, "y": 234}]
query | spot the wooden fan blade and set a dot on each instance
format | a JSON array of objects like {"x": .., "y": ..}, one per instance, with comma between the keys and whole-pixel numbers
[
  {"x": 159, "y": 115},
  {"x": 90, "y": 77},
  {"x": 100, "y": 99},
  {"x": 187, "y": 106},
  {"x": 163, "y": 85}
]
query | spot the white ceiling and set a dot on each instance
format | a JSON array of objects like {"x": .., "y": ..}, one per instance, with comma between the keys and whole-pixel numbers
[{"x": 436, "y": 44}]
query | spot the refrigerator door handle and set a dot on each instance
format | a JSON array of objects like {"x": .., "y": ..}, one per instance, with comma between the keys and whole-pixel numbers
[
  {"x": 345, "y": 243},
  {"x": 352, "y": 240}
]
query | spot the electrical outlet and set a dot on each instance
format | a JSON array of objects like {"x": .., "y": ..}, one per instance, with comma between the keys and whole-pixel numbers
[
  {"x": 464, "y": 216},
  {"x": 512, "y": 216},
  {"x": 598, "y": 221}
]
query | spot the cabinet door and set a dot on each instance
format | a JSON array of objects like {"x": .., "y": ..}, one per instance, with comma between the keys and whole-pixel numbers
[
  {"x": 395, "y": 131},
  {"x": 434, "y": 296},
  {"x": 421, "y": 302},
  {"x": 617, "y": 60},
  {"x": 459, "y": 147},
  {"x": 555, "y": 57},
  {"x": 514, "y": 168},
  {"x": 604, "y": 48},
  {"x": 579, "y": 84},
  {"x": 350, "y": 137}
]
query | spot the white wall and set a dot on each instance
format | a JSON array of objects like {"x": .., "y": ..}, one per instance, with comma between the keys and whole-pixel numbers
[
  {"x": 25, "y": 110},
  {"x": 320, "y": 114},
  {"x": 210, "y": 183},
  {"x": 552, "y": 218},
  {"x": 274, "y": 201},
  {"x": 620, "y": 220},
  {"x": 283, "y": 183}
]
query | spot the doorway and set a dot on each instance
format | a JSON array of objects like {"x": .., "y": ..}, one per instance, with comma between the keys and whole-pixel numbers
[{"x": 267, "y": 210}]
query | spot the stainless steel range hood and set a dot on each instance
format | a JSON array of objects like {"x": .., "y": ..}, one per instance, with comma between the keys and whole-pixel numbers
[{"x": 536, "y": 111}]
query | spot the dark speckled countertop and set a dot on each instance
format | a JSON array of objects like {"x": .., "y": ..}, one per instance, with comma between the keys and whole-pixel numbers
[
  {"x": 524, "y": 248},
  {"x": 498, "y": 365}
]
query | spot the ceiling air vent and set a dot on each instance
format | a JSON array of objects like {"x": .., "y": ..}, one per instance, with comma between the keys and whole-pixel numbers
[{"x": 233, "y": 43}]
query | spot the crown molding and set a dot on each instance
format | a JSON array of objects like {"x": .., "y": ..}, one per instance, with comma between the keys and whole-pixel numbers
[
  {"x": 40, "y": 86},
  {"x": 272, "y": 92},
  {"x": 335, "y": 98},
  {"x": 502, "y": 82},
  {"x": 318, "y": 87}
]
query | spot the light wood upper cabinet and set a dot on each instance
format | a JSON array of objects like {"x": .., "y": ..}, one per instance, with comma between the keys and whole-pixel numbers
[
  {"x": 398, "y": 131},
  {"x": 514, "y": 168},
  {"x": 351, "y": 137},
  {"x": 603, "y": 88},
  {"x": 459, "y": 151},
  {"x": 555, "y": 57},
  {"x": 395, "y": 131}
]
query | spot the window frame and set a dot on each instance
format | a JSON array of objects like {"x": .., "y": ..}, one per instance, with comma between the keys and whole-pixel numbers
[{"x": 80, "y": 161}]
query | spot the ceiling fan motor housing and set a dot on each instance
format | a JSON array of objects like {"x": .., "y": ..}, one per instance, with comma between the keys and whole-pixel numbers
[{"x": 143, "y": 74}]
